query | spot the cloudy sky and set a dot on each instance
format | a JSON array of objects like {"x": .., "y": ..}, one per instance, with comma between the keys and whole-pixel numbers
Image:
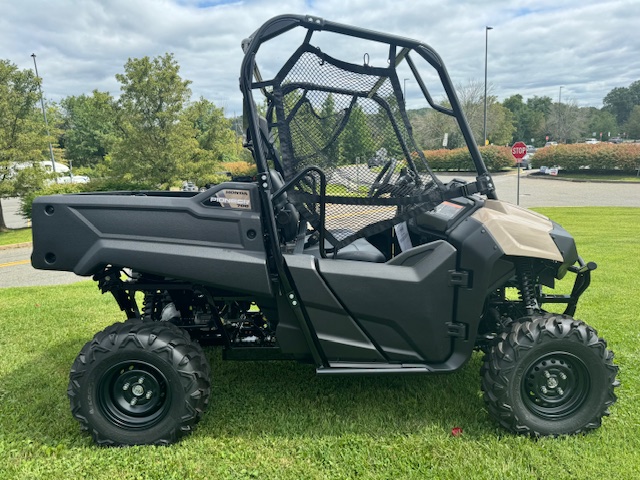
[{"x": 587, "y": 47}]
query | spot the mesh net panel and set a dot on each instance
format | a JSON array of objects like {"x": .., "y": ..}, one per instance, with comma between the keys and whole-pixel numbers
[{"x": 349, "y": 121}]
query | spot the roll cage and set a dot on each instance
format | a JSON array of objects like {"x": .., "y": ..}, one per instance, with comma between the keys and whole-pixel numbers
[{"x": 318, "y": 108}]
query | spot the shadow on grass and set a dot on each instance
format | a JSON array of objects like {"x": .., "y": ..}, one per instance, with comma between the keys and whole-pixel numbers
[
  {"x": 257, "y": 399},
  {"x": 289, "y": 399}
]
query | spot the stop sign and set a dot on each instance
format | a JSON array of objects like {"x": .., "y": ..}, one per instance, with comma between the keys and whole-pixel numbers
[{"x": 519, "y": 150}]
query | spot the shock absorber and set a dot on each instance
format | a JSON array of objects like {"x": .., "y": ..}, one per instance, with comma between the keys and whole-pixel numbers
[{"x": 526, "y": 281}]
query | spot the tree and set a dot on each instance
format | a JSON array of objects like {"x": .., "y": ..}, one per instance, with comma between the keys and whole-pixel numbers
[
  {"x": 329, "y": 122},
  {"x": 23, "y": 141},
  {"x": 528, "y": 118},
  {"x": 621, "y": 100},
  {"x": 500, "y": 129},
  {"x": 89, "y": 127},
  {"x": 499, "y": 120},
  {"x": 153, "y": 141},
  {"x": 356, "y": 138},
  {"x": 600, "y": 121},
  {"x": 217, "y": 142},
  {"x": 519, "y": 111},
  {"x": 429, "y": 128},
  {"x": 633, "y": 123},
  {"x": 566, "y": 121}
]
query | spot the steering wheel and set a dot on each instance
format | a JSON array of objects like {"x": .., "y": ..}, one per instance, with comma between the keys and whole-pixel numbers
[{"x": 382, "y": 180}]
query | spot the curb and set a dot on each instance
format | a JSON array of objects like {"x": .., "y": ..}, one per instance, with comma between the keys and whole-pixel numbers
[
  {"x": 580, "y": 180},
  {"x": 16, "y": 245}
]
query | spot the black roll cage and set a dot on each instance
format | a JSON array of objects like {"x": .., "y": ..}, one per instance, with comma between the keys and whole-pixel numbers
[{"x": 250, "y": 79}]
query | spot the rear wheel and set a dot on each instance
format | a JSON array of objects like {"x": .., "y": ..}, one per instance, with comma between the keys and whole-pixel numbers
[
  {"x": 139, "y": 383},
  {"x": 550, "y": 375}
]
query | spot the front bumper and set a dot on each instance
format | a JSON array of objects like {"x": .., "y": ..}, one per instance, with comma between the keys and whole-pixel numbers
[{"x": 583, "y": 279}]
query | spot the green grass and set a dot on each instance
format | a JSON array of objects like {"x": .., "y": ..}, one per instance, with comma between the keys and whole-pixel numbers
[
  {"x": 279, "y": 420},
  {"x": 13, "y": 236}
]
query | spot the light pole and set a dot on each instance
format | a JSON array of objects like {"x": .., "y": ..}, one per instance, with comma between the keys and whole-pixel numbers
[
  {"x": 44, "y": 113},
  {"x": 560, "y": 112},
  {"x": 560, "y": 95},
  {"x": 486, "y": 54},
  {"x": 404, "y": 92}
]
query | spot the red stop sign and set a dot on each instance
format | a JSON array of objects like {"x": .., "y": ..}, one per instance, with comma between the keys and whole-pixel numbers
[{"x": 519, "y": 150}]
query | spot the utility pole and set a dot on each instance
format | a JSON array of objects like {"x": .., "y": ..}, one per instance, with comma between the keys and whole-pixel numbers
[
  {"x": 44, "y": 113},
  {"x": 486, "y": 54}
]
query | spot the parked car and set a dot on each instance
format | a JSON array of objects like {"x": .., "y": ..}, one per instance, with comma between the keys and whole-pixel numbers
[
  {"x": 550, "y": 144},
  {"x": 189, "y": 187},
  {"x": 591, "y": 141},
  {"x": 73, "y": 179},
  {"x": 526, "y": 161}
]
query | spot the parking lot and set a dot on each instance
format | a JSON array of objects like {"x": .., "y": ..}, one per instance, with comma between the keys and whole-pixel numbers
[{"x": 545, "y": 191}]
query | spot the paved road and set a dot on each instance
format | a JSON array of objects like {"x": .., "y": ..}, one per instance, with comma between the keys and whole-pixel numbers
[
  {"x": 12, "y": 217},
  {"x": 16, "y": 271},
  {"x": 15, "y": 268}
]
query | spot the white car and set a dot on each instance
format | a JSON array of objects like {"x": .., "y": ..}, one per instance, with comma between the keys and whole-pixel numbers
[
  {"x": 591, "y": 141},
  {"x": 73, "y": 179}
]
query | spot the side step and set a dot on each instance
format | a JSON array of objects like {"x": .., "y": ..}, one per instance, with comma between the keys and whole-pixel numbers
[{"x": 343, "y": 368}]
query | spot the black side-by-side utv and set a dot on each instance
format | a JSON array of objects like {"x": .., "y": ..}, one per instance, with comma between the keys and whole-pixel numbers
[{"x": 345, "y": 251}]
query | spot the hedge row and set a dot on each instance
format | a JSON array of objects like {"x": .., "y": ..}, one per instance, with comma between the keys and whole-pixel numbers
[
  {"x": 459, "y": 159},
  {"x": 623, "y": 157}
]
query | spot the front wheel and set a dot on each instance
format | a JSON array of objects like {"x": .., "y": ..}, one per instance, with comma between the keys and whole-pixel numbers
[
  {"x": 550, "y": 375},
  {"x": 139, "y": 383}
]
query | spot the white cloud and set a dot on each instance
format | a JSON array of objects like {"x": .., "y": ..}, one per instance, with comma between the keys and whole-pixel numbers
[{"x": 587, "y": 47}]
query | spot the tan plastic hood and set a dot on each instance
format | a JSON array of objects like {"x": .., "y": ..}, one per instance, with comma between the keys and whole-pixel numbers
[{"x": 518, "y": 231}]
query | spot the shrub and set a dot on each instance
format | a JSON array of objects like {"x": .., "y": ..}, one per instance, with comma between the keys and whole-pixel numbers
[
  {"x": 623, "y": 157},
  {"x": 26, "y": 202},
  {"x": 239, "y": 168},
  {"x": 497, "y": 158},
  {"x": 459, "y": 159}
]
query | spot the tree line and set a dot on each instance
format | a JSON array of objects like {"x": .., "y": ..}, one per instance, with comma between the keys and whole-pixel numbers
[
  {"x": 534, "y": 120},
  {"x": 153, "y": 135}
]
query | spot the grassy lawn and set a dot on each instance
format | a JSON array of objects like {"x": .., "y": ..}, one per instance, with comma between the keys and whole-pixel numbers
[
  {"x": 18, "y": 235},
  {"x": 279, "y": 420}
]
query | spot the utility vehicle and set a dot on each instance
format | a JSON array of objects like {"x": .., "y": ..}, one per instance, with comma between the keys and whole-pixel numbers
[{"x": 345, "y": 250}]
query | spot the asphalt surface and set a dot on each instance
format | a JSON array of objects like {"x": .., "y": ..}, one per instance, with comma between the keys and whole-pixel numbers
[{"x": 16, "y": 270}]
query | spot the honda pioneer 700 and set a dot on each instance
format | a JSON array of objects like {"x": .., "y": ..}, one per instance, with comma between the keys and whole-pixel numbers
[{"x": 345, "y": 251}]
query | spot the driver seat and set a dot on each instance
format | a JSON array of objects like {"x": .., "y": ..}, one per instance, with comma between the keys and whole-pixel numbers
[{"x": 288, "y": 220}]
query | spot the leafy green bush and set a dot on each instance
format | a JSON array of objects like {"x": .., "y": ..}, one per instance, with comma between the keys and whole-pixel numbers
[
  {"x": 497, "y": 158},
  {"x": 113, "y": 184},
  {"x": 459, "y": 159},
  {"x": 96, "y": 185},
  {"x": 240, "y": 168},
  {"x": 601, "y": 156},
  {"x": 26, "y": 202}
]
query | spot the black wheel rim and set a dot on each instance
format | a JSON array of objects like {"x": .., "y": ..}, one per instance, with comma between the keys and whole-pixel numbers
[
  {"x": 555, "y": 385},
  {"x": 134, "y": 395}
]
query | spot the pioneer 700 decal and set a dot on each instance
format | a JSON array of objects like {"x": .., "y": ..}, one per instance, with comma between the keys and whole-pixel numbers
[{"x": 231, "y": 198}]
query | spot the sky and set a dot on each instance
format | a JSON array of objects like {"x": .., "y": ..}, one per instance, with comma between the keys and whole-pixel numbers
[{"x": 579, "y": 49}]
